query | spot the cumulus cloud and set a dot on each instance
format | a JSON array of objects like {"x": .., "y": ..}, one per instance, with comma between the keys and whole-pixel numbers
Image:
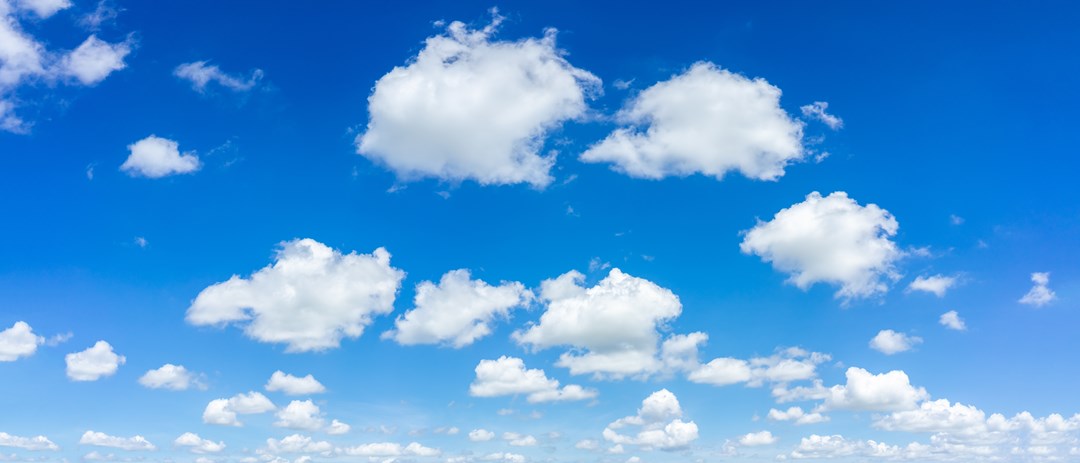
[
  {"x": 519, "y": 440},
  {"x": 94, "y": 363},
  {"x": 865, "y": 391},
  {"x": 508, "y": 376},
  {"x": 659, "y": 422},
  {"x": 172, "y": 377},
  {"x": 27, "y": 443},
  {"x": 224, "y": 411},
  {"x": 196, "y": 444},
  {"x": 468, "y": 107},
  {"x": 759, "y": 438},
  {"x": 952, "y": 321},
  {"x": 297, "y": 443},
  {"x": 890, "y": 342},
  {"x": 94, "y": 60},
  {"x": 796, "y": 415},
  {"x": 481, "y": 435},
  {"x": 457, "y": 311},
  {"x": 18, "y": 341},
  {"x": 101, "y": 439},
  {"x": 309, "y": 299},
  {"x": 201, "y": 74},
  {"x": 300, "y": 415},
  {"x": 389, "y": 449},
  {"x": 337, "y": 428},
  {"x": 791, "y": 364},
  {"x": 706, "y": 121},
  {"x": 936, "y": 284},
  {"x": 294, "y": 385},
  {"x": 1040, "y": 294},
  {"x": 156, "y": 157},
  {"x": 613, "y": 327},
  {"x": 817, "y": 111},
  {"x": 830, "y": 239}
]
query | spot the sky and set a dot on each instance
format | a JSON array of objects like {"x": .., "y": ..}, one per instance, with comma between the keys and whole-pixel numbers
[{"x": 285, "y": 232}]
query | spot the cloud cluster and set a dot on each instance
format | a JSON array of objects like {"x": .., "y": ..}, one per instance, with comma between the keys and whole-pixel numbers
[
  {"x": 508, "y": 376},
  {"x": 294, "y": 385},
  {"x": 224, "y": 411},
  {"x": 788, "y": 365},
  {"x": 27, "y": 443},
  {"x": 311, "y": 298},
  {"x": 1040, "y": 293},
  {"x": 101, "y": 439},
  {"x": 830, "y": 239},
  {"x": 707, "y": 121},
  {"x": 196, "y": 444},
  {"x": 659, "y": 422},
  {"x": 468, "y": 107}
]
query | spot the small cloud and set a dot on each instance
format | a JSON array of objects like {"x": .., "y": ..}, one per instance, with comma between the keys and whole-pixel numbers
[
  {"x": 936, "y": 284},
  {"x": 955, "y": 219},
  {"x": 90, "y": 171},
  {"x": 103, "y": 13},
  {"x": 622, "y": 84},
  {"x": 1040, "y": 294},
  {"x": 952, "y": 321},
  {"x": 201, "y": 74},
  {"x": 141, "y": 242},
  {"x": 817, "y": 111},
  {"x": 890, "y": 342}
]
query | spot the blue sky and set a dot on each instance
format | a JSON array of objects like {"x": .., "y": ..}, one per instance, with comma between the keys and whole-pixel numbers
[{"x": 864, "y": 211}]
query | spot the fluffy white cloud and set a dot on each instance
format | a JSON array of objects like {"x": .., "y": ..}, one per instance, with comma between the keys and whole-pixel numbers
[
  {"x": 224, "y": 411},
  {"x": 797, "y": 415},
  {"x": 829, "y": 239},
  {"x": 93, "y": 363},
  {"x": 890, "y": 342},
  {"x": 197, "y": 444},
  {"x": 505, "y": 457},
  {"x": 201, "y": 73},
  {"x": 508, "y": 376},
  {"x": 519, "y": 440},
  {"x": 754, "y": 439},
  {"x": 1040, "y": 293},
  {"x": 300, "y": 415},
  {"x": 818, "y": 111},
  {"x": 309, "y": 299},
  {"x": 890, "y": 391},
  {"x": 101, "y": 439},
  {"x": 935, "y": 416},
  {"x": 457, "y": 311},
  {"x": 481, "y": 435},
  {"x": 936, "y": 284},
  {"x": 294, "y": 385},
  {"x": 172, "y": 377},
  {"x": 660, "y": 424},
  {"x": 27, "y": 443},
  {"x": 18, "y": 341},
  {"x": 337, "y": 428},
  {"x": 389, "y": 449},
  {"x": 156, "y": 157},
  {"x": 44, "y": 8},
  {"x": 707, "y": 120},
  {"x": 471, "y": 108},
  {"x": 816, "y": 446},
  {"x": 297, "y": 443},
  {"x": 791, "y": 364},
  {"x": 613, "y": 326},
  {"x": 952, "y": 321},
  {"x": 94, "y": 60}
]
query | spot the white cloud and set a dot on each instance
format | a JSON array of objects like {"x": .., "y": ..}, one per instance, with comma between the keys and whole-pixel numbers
[
  {"x": 791, "y": 364},
  {"x": 1040, "y": 294},
  {"x": 200, "y": 74},
  {"x": 797, "y": 415},
  {"x": 936, "y": 284},
  {"x": 309, "y": 299},
  {"x": 337, "y": 428},
  {"x": 816, "y": 446},
  {"x": 470, "y": 108},
  {"x": 101, "y": 439},
  {"x": 952, "y": 321},
  {"x": 156, "y": 157},
  {"x": 172, "y": 377},
  {"x": 587, "y": 444},
  {"x": 659, "y": 422},
  {"x": 707, "y": 120},
  {"x": 754, "y": 439},
  {"x": 508, "y": 376},
  {"x": 481, "y": 435},
  {"x": 93, "y": 363},
  {"x": 300, "y": 415},
  {"x": 519, "y": 440},
  {"x": 817, "y": 111},
  {"x": 18, "y": 341},
  {"x": 224, "y": 411},
  {"x": 935, "y": 416},
  {"x": 890, "y": 342},
  {"x": 457, "y": 311},
  {"x": 829, "y": 239},
  {"x": 297, "y": 443},
  {"x": 389, "y": 449},
  {"x": 505, "y": 457},
  {"x": 44, "y": 8},
  {"x": 94, "y": 60},
  {"x": 613, "y": 326},
  {"x": 197, "y": 444},
  {"x": 890, "y": 391},
  {"x": 294, "y": 385},
  {"x": 27, "y": 443}
]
